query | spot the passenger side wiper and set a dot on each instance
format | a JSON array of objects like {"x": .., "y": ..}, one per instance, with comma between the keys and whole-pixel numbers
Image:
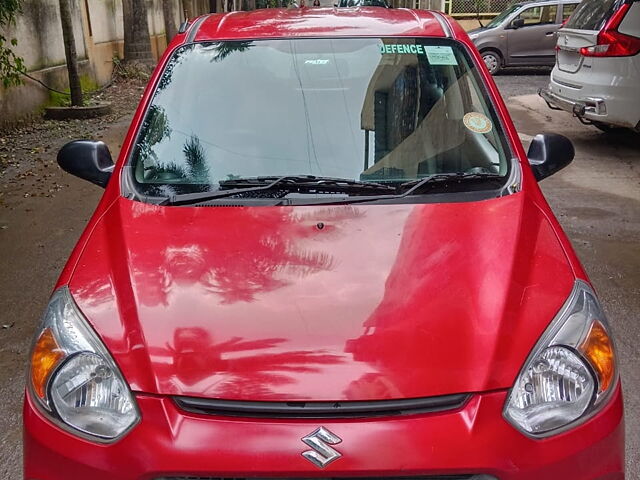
[
  {"x": 447, "y": 178},
  {"x": 415, "y": 186},
  {"x": 290, "y": 183}
]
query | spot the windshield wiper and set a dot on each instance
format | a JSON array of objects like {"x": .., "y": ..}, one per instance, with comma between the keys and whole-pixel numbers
[
  {"x": 446, "y": 178},
  {"x": 414, "y": 186},
  {"x": 290, "y": 183}
]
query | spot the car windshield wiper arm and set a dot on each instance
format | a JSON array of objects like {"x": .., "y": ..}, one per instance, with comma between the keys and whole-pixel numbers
[
  {"x": 416, "y": 185},
  {"x": 294, "y": 183},
  {"x": 446, "y": 177}
]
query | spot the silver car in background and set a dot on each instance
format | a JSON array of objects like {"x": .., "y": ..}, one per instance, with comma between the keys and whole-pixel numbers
[
  {"x": 597, "y": 73},
  {"x": 523, "y": 35}
]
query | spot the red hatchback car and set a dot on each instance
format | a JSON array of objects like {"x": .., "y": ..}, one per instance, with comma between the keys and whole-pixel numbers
[{"x": 323, "y": 253}]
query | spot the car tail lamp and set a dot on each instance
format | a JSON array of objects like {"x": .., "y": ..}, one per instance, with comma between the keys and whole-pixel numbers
[
  {"x": 612, "y": 43},
  {"x": 569, "y": 374},
  {"x": 74, "y": 379}
]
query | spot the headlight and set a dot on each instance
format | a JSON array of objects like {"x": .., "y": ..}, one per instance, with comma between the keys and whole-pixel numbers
[
  {"x": 73, "y": 377},
  {"x": 570, "y": 372}
]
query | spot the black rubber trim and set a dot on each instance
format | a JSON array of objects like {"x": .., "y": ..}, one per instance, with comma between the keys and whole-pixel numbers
[
  {"x": 349, "y": 409},
  {"x": 193, "y": 31},
  {"x": 183, "y": 26}
]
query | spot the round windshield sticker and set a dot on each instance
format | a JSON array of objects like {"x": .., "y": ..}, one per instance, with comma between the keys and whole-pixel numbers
[{"x": 477, "y": 122}]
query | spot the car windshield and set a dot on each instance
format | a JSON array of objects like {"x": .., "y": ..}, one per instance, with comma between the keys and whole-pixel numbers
[
  {"x": 380, "y": 110},
  {"x": 363, "y": 3},
  {"x": 592, "y": 14},
  {"x": 497, "y": 21}
]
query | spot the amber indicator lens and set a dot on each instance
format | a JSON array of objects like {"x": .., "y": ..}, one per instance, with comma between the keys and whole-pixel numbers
[
  {"x": 46, "y": 355},
  {"x": 598, "y": 349}
]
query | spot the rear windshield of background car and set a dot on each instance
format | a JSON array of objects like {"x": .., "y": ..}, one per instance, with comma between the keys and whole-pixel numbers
[{"x": 593, "y": 14}]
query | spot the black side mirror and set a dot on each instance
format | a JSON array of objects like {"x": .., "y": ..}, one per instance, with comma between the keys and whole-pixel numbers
[
  {"x": 517, "y": 23},
  {"x": 88, "y": 160},
  {"x": 549, "y": 153}
]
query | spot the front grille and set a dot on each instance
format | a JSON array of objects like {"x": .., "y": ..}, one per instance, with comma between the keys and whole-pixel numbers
[
  {"x": 315, "y": 410},
  {"x": 428, "y": 477}
]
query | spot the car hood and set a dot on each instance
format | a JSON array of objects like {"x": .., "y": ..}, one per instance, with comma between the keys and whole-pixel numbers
[
  {"x": 322, "y": 303},
  {"x": 479, "y": 30}
]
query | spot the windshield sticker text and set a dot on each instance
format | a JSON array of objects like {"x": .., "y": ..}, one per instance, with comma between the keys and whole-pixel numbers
[{"x": 402, "y": 49}]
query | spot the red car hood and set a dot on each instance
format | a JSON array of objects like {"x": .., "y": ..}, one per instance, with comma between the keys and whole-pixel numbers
[{"x": 322, "y": 303}]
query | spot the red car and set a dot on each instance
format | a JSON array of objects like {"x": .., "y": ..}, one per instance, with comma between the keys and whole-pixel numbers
[{"x": 323, "y": 253}]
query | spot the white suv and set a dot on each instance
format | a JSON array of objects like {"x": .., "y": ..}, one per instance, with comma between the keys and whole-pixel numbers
[{"x": 597, "y": 71}]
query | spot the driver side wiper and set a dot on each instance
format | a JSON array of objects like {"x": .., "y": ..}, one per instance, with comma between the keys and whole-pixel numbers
[{"x": 291, "y": 183}]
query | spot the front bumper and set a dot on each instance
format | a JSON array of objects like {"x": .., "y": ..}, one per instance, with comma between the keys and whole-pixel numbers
[{"x": 474, "y": 439}]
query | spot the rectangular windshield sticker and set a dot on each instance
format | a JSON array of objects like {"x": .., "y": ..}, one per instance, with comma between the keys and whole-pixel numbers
[{"x": 440, "y": 55}]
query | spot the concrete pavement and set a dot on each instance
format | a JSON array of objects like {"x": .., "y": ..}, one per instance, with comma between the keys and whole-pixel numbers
[{"x": 597, "y": 201}]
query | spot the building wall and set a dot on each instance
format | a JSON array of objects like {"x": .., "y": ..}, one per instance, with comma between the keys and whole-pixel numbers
[
  {"x": 99, "y": 37},
  {"x": 38, "y": 30}
]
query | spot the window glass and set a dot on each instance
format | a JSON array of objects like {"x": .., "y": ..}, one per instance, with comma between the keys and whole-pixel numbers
[
  {"x": 567, "y": 10},
  {"x": 539, "y": 15},
  {"x": 593, "y": 14},
  {"x": 501, "y": 17},
  {"x": 369, "y": 109}
]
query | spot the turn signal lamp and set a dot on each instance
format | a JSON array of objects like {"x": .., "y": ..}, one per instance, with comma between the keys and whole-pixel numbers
[
  {"x": 46, "y": 355},
  {"x": 598, "y": 350}
]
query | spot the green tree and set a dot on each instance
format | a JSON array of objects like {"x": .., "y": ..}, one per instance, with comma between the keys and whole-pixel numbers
[
  {"x": 170, "y": 29},
  {"x": 196, "y": 159},
  {"x": 156, "y": 128},
  {"x": 70, "y": 53},
  {"x": 10, "y": 64},
  {"x": 137, "y": 42},
  {"x": 224, "y": 49}
]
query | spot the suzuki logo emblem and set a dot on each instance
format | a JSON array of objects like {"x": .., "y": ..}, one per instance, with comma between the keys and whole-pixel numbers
[{"x": 320, "y": 441}]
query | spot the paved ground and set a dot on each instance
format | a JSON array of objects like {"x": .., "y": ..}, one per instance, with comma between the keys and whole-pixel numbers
[
  {"x": 522, "y": 81},
  {"x": 597, "y": 199}
]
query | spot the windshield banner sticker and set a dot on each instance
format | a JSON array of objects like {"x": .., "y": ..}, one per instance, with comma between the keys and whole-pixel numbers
[
  {"x": 402, "y": 49},
  {"x": 477, "y": 122},
  {"x": 437, "y": 55}
]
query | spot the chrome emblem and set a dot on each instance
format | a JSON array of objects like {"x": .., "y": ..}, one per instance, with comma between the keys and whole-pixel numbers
[{"x": 320, "y": 441}]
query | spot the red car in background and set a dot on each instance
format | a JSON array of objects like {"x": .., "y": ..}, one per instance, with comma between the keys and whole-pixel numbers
[{"x": 323, "y": 253}]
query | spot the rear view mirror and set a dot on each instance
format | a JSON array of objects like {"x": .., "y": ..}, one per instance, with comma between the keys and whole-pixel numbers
[
  {"x": 517, "y": 23},
  {"x": 549, "y": 153},
  {"x": 88, "y": 160}
]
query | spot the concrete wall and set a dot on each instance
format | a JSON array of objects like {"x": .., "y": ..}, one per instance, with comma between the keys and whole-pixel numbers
[
  {"x": 40, "y": 34},
  {"x": 99, "y": 37}
]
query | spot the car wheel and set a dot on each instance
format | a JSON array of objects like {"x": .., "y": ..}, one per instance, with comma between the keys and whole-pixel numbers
[{"x": 493, "y": 62}]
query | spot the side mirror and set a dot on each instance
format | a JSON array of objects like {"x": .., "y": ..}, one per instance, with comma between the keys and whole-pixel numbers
[
  {"x": 549, "y": 153},
  {"x": 517, "y": 23},
  {"x": 88, "y": 160}
]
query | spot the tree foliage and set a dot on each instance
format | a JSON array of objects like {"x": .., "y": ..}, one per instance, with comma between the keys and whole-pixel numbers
[{"x": 10, "y": 64}]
